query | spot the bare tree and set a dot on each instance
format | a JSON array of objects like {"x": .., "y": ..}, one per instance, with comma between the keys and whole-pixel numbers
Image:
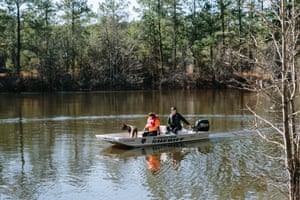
[{"x": 276, "y": 61}]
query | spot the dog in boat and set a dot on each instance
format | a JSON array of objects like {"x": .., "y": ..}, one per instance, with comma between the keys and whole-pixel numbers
[{"x": 132, "y": 130}]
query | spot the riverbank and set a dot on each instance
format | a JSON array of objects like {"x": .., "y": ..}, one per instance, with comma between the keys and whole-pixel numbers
[{"x": 178, "y": 80}]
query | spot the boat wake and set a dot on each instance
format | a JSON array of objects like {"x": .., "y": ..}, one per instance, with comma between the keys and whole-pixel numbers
[
  {"x": 231, "y": 134},
  {"x": 66, "y": 118},
  {"x": 121, "y": 116}
]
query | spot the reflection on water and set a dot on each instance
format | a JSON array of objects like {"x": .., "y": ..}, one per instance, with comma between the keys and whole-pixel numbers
[
  {"x": 153, "y": 163},
  {"x": 49, "y": 151},
  {"x": 197, "y": 170},
  {"x": 155, "y": 157}
]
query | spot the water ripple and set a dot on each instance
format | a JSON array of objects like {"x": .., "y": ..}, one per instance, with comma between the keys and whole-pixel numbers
[
  {"x": 122, "y": 116},
  {"x": 66, "y": 118}
]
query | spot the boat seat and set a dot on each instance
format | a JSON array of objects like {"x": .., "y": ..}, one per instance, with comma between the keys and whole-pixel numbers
[{"x": 162, "y": 130}]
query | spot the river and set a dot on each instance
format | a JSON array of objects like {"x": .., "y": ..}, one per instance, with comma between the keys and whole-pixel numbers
[{"x": 48, "y": 148}]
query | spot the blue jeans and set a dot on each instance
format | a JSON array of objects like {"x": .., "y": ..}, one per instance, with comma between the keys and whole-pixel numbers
[{"x": 174, "y": 129}]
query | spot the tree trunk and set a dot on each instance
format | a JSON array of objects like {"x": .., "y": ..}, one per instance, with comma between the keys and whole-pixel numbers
[
  {"x": 18, "y": 40},
  {"x": 174, "y": 34},
  {"x": 223, "y": 25},
  {"x": 289, "y": 87},
  {"x": 161, "y": 55}
]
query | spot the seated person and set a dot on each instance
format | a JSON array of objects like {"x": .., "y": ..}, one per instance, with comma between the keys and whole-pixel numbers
[
  {"x": 174, "y": 121},
  {"x": 152, "y": 126}
]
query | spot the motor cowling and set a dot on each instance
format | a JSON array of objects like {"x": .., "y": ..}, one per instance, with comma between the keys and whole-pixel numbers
[{"x": 201, "y": 125}]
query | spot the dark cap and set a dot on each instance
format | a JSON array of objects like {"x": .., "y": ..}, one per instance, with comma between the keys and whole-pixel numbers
[{"x": 152, "y": 114}]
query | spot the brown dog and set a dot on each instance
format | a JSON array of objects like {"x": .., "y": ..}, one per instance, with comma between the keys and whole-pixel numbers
[{"x": 132, "y": 130}]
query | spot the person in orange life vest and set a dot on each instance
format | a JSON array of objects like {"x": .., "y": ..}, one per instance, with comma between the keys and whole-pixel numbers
[{"x": 152, "y": 126}]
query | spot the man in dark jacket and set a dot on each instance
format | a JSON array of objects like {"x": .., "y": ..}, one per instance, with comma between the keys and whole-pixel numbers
[{"x": 174, "y": 120}]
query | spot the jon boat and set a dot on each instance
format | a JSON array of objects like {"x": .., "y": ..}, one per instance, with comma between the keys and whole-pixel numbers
[{"x": 198, "y": 132}]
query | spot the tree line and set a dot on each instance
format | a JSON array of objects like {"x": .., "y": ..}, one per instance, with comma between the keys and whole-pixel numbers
[{"x": 64, "y": 45}]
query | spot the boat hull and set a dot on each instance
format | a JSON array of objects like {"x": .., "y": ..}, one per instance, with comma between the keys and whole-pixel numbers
[{"x": 183, "y": 136}]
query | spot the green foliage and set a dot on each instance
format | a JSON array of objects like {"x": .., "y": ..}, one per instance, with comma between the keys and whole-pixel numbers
[{"x": 104, "y": 48}]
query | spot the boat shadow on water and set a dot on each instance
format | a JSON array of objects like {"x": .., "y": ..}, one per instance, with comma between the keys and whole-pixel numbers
[{"x": 156, "y": 156}]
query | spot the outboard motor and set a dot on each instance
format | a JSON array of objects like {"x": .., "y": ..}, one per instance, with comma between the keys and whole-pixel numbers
[{"x": 201, "y": 125}]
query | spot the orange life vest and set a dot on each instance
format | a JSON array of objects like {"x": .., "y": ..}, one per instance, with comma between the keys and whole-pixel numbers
[{"x": 153, "y": 123}]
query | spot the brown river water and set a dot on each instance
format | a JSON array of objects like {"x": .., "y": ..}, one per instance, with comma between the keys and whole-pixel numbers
[{"x": 48, "y": 148}]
